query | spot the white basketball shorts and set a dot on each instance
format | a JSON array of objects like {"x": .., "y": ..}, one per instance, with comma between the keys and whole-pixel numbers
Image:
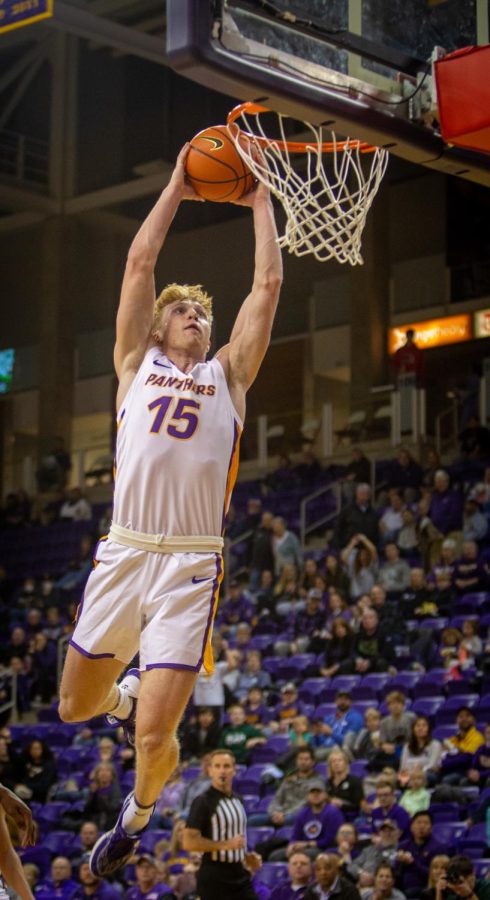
[{"x": 162, "y": 604}]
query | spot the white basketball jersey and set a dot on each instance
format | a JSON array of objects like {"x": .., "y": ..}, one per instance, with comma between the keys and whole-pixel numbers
[{"x": 177, "y": 449}]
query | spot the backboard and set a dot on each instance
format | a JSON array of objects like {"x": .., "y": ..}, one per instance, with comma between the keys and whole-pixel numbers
[{"x": 365, "y": 66}]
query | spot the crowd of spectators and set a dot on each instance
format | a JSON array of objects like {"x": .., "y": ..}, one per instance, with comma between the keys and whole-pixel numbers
[{"x": 351, "y": 684}]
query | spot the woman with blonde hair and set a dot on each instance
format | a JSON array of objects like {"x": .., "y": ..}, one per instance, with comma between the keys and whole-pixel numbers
[
  {"x": 437, "y": 878},
  {"x": 344, "y": 790}
]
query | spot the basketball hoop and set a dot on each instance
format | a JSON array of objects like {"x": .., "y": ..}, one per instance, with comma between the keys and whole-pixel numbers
[{"x": 325, "y": 210}]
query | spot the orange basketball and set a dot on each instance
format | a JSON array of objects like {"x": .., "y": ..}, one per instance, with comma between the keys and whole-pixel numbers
[{"x": 214, "y": 167}]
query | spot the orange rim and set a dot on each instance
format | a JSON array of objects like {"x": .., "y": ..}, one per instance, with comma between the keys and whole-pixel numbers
[{"x": 293, "y": 146}]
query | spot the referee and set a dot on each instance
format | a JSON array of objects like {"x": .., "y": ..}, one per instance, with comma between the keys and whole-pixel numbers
[{"x": 216, "y": 827}]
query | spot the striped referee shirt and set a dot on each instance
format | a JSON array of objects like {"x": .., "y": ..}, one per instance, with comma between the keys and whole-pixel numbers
[{"x": 219, "y": 817}]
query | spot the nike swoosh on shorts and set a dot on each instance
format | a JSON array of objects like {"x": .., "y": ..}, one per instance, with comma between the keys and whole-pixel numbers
[
  {"x": 162, "y": 365},
  {"x": 198, "y": 580}
]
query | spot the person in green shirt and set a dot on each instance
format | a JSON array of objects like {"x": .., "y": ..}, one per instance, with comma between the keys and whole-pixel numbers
[
  {"x": 238, "y": 736},
  {"x": 461, "y": 881}
]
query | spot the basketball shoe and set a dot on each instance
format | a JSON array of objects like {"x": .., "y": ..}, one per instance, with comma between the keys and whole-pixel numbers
[
  {"x": 130, "y": 685},
  {"x": 114, "y": 848}
]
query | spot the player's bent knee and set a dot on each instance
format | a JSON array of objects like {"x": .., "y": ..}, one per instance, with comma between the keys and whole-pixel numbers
[
  {"x": 70, "y": 710},
  {"x": 154, "y": 743}
]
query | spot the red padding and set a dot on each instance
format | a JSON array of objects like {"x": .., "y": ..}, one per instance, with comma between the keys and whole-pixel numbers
[{"x": 463, "y": 94}]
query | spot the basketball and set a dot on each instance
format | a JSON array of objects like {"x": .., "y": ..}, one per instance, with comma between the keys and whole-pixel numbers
[{"x": 214, "y": 167}]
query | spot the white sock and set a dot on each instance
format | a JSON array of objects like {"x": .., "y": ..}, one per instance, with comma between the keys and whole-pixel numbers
[
  {"x": 123, "y": 708},
  {"x": 135, "y": 817}
]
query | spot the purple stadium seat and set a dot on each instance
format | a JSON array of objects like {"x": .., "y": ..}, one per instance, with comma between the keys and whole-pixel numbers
[
  {"x": 445, "y": 812},
  {"x": 52, "y": 812},
  {"x": 358, "y": 767},
  {"x": 150, "y": 838},
  {"x": 257, "y": 835},
  {"x": 441, "y": 732},
  {"x": 458, "y": 687},
  {"x": 478, "y": 832},
  {"x": 271, "y": 874},
  {"x": 325, "y": 709},
  {"x": 311, "y": 688},
  {"x": 364, "y": 692},
  {"x": 271, "y": 664},
  {"x": 250, "y": 803},
  {"x": 285, "y": 833},
  {"x": 462, "y": 700},
  {"x": 61, "y": 842},
  {"x": 40, "y": 856},
  {"x": 279, "y": 743},
  {"x": 427, "y": 706},
  {"x": 448, "y": 833},
  {"x": 473, "y": 849},
  {"x": 437, "y": 623},
  {"x": 482, "y": 867},
  {"x": 403, "y": 681},
  {"x": 127, "y": 781},
  {"x": 191, "y": 772},
  {"x": 260, "y": 642},
  {"x": 345, "y": 682},
  {"x": 457, "y": 621}
]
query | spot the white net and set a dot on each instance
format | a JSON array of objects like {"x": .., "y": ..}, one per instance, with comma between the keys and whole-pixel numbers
[{"x": 326, "y": 189}]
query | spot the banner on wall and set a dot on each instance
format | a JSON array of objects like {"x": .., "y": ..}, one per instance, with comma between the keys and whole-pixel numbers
[
  {"x": 434, "y": 332},
  {"x": 17, "y": 13}
]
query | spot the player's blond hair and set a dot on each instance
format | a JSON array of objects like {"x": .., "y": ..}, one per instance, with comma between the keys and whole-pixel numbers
[{"x": 175, "y": 292}]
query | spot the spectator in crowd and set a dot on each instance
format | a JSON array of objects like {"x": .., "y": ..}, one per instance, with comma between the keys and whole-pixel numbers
[
  {"x": 461, "y": 746},
  {"x": 194, "y": 788},
  {"x": 408, "y": 540},
  {"x": 238, "y": 737},
  {"x": 361, "y": 559},
  {"x": 60, "y": 883},
  {"x": 210, "y": 690},
  {"x": 474, "y": 440},
  {"x": 391, "y": 521},
  {"x": 235, "y": 608},
  {"x": 479, "y": 771},
  {"x": 390, "y": 621},
  {"x": 338, "y": 648},
  {"x": 315, "y": 826},
  {"x": 308, "y": 576},
  {"x": 9, "y": 763},
  {"x": 92, "y": 888},
  {"x": 386, "y": 807},
  {"x": 337, "y": 608},
  {"x": 44, "y": 659},
  {"x": 308, "y": 469},
  {"x": 357, "y": 518},
  {"x": 461, "y": 879},
  {"x": 284, "y": 477},
  {"x": 475, "y": 524},
  {"x": 384, "y": 885},
  {"x": 285, "y": 545},
  {"x": 32, "y": 875},
  {"x": 372, "y": 652},
  {"x": 261, "y": 554},
  {"x": 87, "y": 837},
  {"x": 104, "y": 799},
  {"x": 148, "y": 881},
  {"x": 421, "y": 751},
  {"x": 395, "y": 728},
  {"x": 366, "y": 743},
  {"x": 409, "y": 359},
  {"x": 416, "y": 854},
  {"x": 79, "y": 567},
  {"x": 256, "y": 711},
  {"x": 468, "y": 573},
  {"x": 291, "y": 794},
  {"x": 37, "y": 772},
  {"x": 253, "y": 675},
  {"x": 344, "y": 790},
  {"x": 76, "y": 507},
  {"x": 357, "y": 471},
  {"x": 200, "y": 735},
  {"x": 446, "y": 506},
  {"x": 288, "y": 707},
  {"x": 416, "y": 797},
  {"x": 299, "y": 876},
  {"x": 336, "y": 726},
  {"x": 417, "y": 600},
  {"x": 169, "y": 800},
  {"x": 394, "y": 573},
  {"x": 471, "y": 643},
  {"x": 346, "y": 842},
  {"x": 305, "y": 625},
  {"x": 335, "y": 576},
  {"x": 405, "y": 475},
  {"x": 264, "y": 596},
  {"x": 382, "y": 849},
  {"x": 286, "y": 592},
  {"x": 329, "y": 882},
  {"x": 437, "y": 878},
  {"x": 16, "y": 510}
]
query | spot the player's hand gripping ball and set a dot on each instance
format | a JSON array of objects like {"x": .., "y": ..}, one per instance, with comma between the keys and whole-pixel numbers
[{"x": 214, "y": 167}]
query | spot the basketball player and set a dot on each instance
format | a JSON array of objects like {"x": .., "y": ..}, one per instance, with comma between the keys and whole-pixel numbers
[
  {"x": 11, "y": 871},
  {"x": 156, "y": 581},
  {"x": 216, "y": 827}
]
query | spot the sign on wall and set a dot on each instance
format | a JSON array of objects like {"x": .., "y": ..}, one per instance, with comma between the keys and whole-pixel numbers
[
  {"x": 17, "y": 13},
  {"x": 433, "y": 333}
]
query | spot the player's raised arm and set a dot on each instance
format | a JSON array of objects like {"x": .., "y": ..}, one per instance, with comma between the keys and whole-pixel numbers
[
  {"x": 250, "y": 336},
  {"x": 135, "y": 313}
]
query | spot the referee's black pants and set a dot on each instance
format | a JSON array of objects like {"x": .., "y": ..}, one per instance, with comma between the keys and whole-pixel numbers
[{"x": 224, "y": 881}]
